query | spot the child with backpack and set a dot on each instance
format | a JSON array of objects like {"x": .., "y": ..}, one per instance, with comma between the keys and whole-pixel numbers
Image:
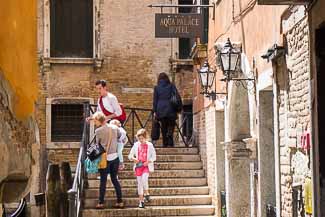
[{"x": 143, "y": 155}]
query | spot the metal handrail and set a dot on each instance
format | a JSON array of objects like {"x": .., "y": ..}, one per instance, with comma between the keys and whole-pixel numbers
[
  {"x": 75, "y": 194},
  {"x": 19, "y": 212}
]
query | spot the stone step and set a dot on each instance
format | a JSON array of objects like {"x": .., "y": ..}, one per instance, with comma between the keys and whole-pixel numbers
[
  {"x": 168, "y": 151},
  {"x": 193, "y": 210},
  {"x": 160, "y": 174},
  {"x": 178, "y": 158},
  {"x": 156, "y": 182},
  {"x": 170, "y": 158},
  {"x": 155, "y": 201},
  {"x": 132, "y": 191},
  {"x": 166, "y": 165}
]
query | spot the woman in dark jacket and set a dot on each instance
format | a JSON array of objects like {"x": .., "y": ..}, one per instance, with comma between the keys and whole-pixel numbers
[{"x": 163, "y": 110}]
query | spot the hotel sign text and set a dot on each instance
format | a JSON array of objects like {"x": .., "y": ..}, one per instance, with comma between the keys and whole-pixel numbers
[{"x": 178, "y": 25}]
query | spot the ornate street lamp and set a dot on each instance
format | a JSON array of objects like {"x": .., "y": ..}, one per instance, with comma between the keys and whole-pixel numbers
[
  {"x": 229, "y": 59},
  {"x": 207, "y": 78}
]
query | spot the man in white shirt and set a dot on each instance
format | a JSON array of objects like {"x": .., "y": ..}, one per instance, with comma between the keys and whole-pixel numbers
[{"x": 108, "y": 103}]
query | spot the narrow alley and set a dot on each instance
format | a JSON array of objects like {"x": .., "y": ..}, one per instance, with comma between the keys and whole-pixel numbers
[{"x": 162, "y": 108}]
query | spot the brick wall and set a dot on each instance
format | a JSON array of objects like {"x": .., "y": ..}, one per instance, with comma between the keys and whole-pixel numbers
[
  {"x": 214, "y": 153},
  {"x": 210, "y": 150},
  {"x": 294, "y": 105},
  {"x": 132, "y": 59},
  {"x": 199, "y": 131},
  {"x": 184, "y": 82}
]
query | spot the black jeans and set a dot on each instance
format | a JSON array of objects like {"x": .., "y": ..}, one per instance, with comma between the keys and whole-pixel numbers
[
  {"x": 112, "y": 169},
  {"x": 167, "y": 130}
]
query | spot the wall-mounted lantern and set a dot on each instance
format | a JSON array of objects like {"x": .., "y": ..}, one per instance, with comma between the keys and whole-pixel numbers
[
  {"x": 207, "y": 78},
  {"x": 229, "y": 59}
]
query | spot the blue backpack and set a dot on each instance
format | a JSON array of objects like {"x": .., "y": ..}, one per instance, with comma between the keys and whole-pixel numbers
[{"x": 92, "y": 166}]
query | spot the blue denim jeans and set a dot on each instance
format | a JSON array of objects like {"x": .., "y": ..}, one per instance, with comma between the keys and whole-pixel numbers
[{"x": 112, "y": 169}]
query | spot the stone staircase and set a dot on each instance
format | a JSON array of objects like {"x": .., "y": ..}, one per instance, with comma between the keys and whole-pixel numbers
[{"x": 178, "y": 187}]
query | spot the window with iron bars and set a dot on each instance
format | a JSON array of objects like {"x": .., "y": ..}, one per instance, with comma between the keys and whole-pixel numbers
[{"x": 66, "y": 122}]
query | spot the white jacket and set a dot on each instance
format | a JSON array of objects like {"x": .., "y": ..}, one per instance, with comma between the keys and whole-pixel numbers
[{"x": 151, "y": 155}]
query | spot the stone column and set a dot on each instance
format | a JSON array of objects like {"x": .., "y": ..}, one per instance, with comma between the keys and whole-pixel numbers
[{"x": 237, "y": 168}]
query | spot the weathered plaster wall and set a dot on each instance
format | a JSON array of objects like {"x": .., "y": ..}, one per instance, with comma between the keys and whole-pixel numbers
[
  {"x": 256, "y": 27},
  {"x": 18, "y": 92},
  {"x": 18, "y": 60},
  {"x": 16, "y": 140}
]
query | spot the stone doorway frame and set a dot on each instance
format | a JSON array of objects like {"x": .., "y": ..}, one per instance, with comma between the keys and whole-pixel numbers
[
  {"x": 314, "y": 113},
  {"x": 47, "y": 60},
  {"x": 265, "y": 87}
]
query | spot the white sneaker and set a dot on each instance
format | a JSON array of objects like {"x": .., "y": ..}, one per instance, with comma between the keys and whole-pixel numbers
[{"x": 141, "y": 204}]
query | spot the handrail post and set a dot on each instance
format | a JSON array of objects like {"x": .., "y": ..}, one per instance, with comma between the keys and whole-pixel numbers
[{"x": 72, "y": 199}]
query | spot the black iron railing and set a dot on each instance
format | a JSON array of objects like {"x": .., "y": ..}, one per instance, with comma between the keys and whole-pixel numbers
[
  {"x": 142, "y": 118},
  {"x": 136, "y": 118},
  {"x": 19, "y": 212}
]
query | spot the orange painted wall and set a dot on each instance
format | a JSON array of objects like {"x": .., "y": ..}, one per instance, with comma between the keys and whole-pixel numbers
[{"x": 18, "y": 52}]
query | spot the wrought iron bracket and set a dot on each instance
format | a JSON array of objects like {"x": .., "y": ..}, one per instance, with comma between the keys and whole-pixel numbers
[
  {"x": 212, "y": 94},
  {"x": 247, "y": 83}
]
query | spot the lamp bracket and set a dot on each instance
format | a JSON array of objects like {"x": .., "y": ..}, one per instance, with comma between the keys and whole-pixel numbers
[
  {"x": 247, "y": 83},
  {"x": 212, "y": 94}
]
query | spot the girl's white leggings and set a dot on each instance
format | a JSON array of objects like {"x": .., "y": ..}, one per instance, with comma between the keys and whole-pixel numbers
[{"x": 143, "y": 183}]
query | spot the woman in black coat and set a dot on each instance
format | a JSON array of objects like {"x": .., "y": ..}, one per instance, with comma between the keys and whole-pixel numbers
[{"x": 164, "y": 112}]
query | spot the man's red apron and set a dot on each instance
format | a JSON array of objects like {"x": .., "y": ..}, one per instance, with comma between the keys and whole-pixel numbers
[{"x": 121, "y": 118}]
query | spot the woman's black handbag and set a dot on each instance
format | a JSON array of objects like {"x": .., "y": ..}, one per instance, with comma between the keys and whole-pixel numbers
[
  {"x": 155, "y": 131},
  {"x": 176, "y": 100},
  {"x": 94, "y": 151}
]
